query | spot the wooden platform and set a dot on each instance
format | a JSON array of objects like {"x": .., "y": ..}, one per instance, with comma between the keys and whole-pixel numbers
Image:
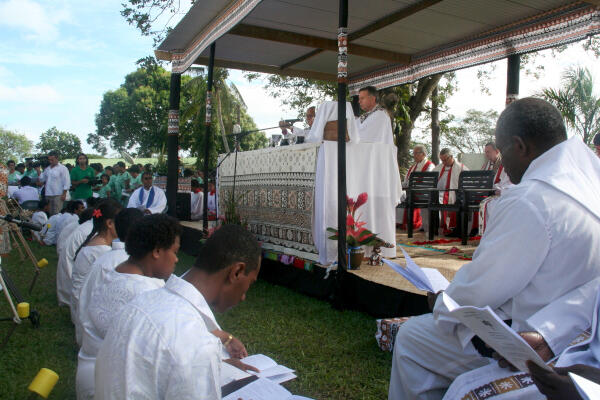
[{"x": 447, "y": 258}]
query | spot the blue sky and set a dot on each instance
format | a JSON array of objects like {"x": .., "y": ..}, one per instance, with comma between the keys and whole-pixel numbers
[{"x": 60, "y": 56}]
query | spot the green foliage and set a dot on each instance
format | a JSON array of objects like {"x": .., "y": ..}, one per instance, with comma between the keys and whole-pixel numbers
[
  {"x": 144, "y": 14},
  {"x": 13, "y": 146},
  {"x": 333, "y": 352},
  {"x": 471, "y": 133},
  {"x": 67, "y": 144},
  {"x": 576, "y": 101}
]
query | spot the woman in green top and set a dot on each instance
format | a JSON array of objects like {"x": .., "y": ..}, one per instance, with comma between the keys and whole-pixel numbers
[
  {"x": 81, "y": 175},
  {"x": 104, "y": 190}
]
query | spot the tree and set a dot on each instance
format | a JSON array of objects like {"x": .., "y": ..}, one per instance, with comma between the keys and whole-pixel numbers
[
  {"x": 134, "y": 117},
  {"x": 471, "y": 133},
  {"x": 576, "y": 101},
  {"x": 13, "y": 146},
  {"x": 67, "y": 144}
]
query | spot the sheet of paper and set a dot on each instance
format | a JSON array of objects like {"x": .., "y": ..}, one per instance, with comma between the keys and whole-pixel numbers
[
  {"x": 273, "y": 371},
  {"x": 283, "y": 377},
  {"x": 259, "y": 361},
  {"x": 260, "y": 389},
  {"x": 229, "y": 373},
  {"x": 427, "y": 279},
  {"x": 495, "y": 333},
  {"x": 587, "y": 389}
]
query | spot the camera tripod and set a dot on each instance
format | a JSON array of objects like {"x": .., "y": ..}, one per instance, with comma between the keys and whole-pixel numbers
[{"x": 7, "y": 210}]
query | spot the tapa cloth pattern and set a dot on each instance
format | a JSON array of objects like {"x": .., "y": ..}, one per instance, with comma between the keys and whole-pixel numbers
[
  {"x": 274, "y": 193},
  {"x": 386, "y": 332}
]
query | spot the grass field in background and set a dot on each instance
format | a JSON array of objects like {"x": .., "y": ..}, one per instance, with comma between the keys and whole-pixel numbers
[{"x": 334, "y": 352}]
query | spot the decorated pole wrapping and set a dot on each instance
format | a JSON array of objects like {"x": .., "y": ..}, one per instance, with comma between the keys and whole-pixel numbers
[
  {"x": 342, "y": 86},
  {"x": 209, "y": 87},
  {"x": 512, "y": 78},
  {"x": 173, "y": 144}
]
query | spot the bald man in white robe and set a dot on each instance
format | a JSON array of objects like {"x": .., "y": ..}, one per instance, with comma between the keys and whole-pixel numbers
[
  {"x": 374, "y": 124},
  {"x": 530, "y": 243}
]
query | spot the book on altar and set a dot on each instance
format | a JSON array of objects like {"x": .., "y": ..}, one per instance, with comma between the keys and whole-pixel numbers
[
  {"x": 490, "y": 328},
  {"x": 263, "y": 389},
  {"x": 428, "y": 279},
  {"x": 269, "y": 368},
  {"x": 587, "y": 389}
]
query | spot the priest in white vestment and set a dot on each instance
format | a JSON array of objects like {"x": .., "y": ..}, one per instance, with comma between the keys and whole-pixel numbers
[
  {"x": 374, "y": 124},
  {"x": 64, "y": 268},
  {"x": 299, "y": 132},
  {"x": 572, "y": 341},
  {"x": 148, "y": 198},
  {"x": 161, "y": 345},
  {"x": 449, "y": 170},
  {"x": 534, "y": 252},
  {"x": 196, "y": 201},
  {"x": 422, "y": 164}
]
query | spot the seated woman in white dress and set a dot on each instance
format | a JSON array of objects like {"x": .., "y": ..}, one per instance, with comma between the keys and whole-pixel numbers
[
  {"x": 149, "y": 240},
  {"x": 98, "y": 242}
]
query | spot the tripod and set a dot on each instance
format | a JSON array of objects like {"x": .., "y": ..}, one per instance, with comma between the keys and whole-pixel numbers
[
  {"x": 18, "y": 239},
  {"x": 20, "y": 312}
]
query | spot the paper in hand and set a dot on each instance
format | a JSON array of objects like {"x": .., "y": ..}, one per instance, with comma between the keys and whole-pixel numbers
[
  {"x": 427, "y": 279},
  {"x": 587, "y": 389},
  {"x": 486, "y": 324}
]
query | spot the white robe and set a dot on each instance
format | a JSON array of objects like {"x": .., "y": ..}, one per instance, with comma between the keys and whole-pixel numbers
[
  {"x": 52, "y": 230},
  {"x": 161, "y": 347},
  {"x": 197, "y": 205},
  {"x": 66, "y": 259},
  {"x": 110, "y": 293},
  {"x": 534, "y": 252},
  {"x": 581, "y": 305},
  {"x": 212, "y": 203},
  {"x": 328, "y": 112},
  {"x": 376, "y": 128},
  {"x": 159, "y": 203},
  {"x": 40, "y": 218},
  {"x": 83, "y": 264},
  {"x": 455, "y": 171},
  {"x": 66, "y": 219}
]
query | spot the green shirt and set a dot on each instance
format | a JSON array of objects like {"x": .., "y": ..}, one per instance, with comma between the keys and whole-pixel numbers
[
  {"x": 116, "y": 186},
  {"x": 104, "y": 191},
  {"x": 15, "y": 178},
  {"x": 83, "y": 190},
  {"x": 136, "y": 182},
  {"x": 32, "y": 174}
]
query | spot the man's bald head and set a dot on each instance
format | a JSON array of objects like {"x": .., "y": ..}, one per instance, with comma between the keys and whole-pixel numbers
[{"x": 526, "y": 129}]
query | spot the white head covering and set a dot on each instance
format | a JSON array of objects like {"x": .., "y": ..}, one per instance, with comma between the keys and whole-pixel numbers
[{"x": 328, "y": 112}]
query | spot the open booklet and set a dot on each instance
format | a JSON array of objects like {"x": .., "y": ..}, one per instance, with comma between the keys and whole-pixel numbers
[
  {"x": 486, "y": 324},
  {"x": 428, "y": 279},
  {"x": 587, "y": 389},
  {"x": 263, "y": 389},
  {"x": 269, "y": 368}
]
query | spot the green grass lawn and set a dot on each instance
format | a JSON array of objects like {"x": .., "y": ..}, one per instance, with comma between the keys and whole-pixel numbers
[{"x": 334, "y": 352}]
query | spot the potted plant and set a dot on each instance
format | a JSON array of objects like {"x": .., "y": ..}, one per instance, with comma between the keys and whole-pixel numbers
[{"x": 356, "y": 233}]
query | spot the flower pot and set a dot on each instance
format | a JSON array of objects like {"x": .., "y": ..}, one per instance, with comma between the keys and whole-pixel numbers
[{"x": 357, "y": 255}]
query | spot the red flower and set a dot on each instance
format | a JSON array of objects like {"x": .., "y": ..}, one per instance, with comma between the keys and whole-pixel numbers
[
  {"x": 97, "y": 213},
  {"x": 361, "y": 199}
]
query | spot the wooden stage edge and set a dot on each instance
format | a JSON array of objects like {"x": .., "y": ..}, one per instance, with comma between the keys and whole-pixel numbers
[{"x": 445, "y": 257}]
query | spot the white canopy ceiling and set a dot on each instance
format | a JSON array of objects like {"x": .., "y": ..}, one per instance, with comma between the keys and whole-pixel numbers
[{"x": 391, "y": 41}]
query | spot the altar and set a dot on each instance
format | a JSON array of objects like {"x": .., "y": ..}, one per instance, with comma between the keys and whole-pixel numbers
[{"x": 288, "y": 195}]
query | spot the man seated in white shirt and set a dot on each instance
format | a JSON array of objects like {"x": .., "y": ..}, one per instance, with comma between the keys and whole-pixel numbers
[
  {"x": 530, "y": 242},
  {"x": 161, "y": 345},
  {"x": 40, "y": 217},
  {"x": 197, "y": 201},
  {"x": 26, "y": 192},
  {"x": 148, "y": 198}
]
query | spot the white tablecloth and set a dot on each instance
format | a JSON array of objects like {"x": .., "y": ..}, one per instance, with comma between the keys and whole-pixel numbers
[{"x": 371, "y": 168}]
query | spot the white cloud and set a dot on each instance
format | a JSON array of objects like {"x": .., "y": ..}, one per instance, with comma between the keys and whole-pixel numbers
[
  {"x": 45, "y": 94},
  {"x": 37, "y": 22}
]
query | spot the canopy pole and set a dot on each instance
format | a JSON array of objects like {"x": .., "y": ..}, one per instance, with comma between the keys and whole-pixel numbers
[
  {"x": 173, "y": 144},
  {"x": 512, "y": 78},
  {"x": 207, "y": 138},
  {"x": 341, "y": 93}
]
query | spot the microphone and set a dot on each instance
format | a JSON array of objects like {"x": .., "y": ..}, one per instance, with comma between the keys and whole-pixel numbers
[
  {"x": 25, "y": 224},
  {"x": 291, "y": 121}
]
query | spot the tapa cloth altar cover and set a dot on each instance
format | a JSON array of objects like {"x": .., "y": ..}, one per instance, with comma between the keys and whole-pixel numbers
[{"x": 289, "y": 205}]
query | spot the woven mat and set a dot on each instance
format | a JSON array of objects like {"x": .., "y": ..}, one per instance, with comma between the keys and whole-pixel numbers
[{"x": 434, "y": 257}]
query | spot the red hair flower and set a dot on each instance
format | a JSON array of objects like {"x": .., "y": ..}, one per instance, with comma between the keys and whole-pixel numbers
[{"x": 97, "y": 213}]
